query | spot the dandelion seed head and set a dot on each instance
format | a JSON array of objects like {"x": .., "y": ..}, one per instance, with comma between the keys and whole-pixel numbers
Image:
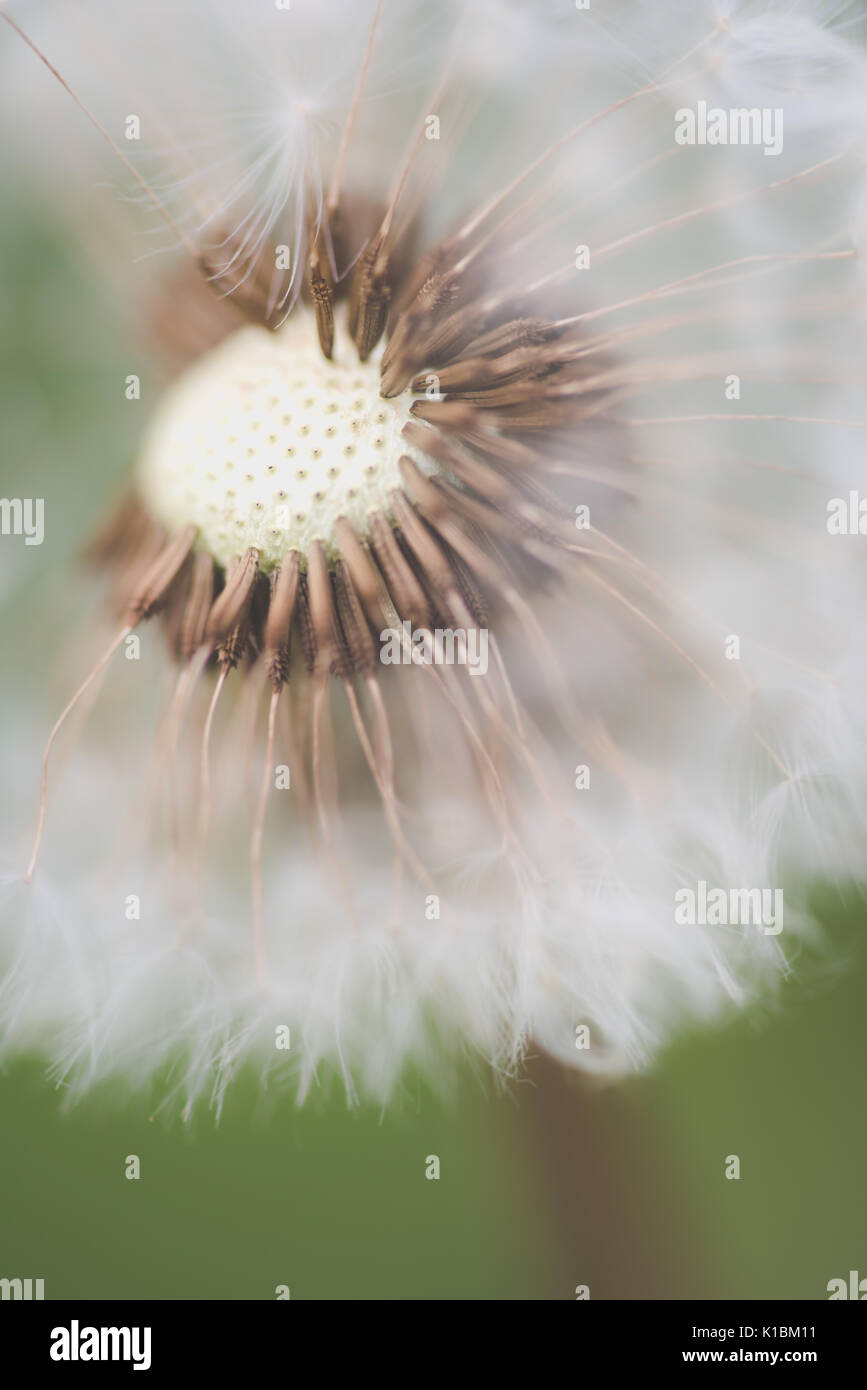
[
  {"x": 265, "y": 443},
  {"x": 665, "y": 337}
]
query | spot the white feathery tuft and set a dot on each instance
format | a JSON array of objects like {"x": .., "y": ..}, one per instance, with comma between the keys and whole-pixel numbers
[{"x": 710, "y": 512}]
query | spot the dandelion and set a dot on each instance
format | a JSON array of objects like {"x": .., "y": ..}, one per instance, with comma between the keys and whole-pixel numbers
[{"x": 479, "y": 344}]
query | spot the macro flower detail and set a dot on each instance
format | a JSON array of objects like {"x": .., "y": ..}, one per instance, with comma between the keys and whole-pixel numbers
[{"x": 579, "y": 402}]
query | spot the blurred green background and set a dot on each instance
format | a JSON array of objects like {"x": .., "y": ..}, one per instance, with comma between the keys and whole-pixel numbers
[{"x": 554, "y": 1184}]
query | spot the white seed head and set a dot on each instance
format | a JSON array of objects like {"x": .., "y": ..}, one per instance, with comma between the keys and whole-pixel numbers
[
  {"x": 265, "y": 443},
  {"x": 554, "y": 895}
]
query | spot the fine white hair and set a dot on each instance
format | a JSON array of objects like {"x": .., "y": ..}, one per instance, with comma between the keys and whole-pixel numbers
[{"x": 707, "y": 667}]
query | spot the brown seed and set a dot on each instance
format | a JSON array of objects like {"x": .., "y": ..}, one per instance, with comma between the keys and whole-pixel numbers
[
  {"x": 160, "y": 575},
  {"x": 323, "y": 614},
  {"x": 321, "y": 294},
  {"x": 198, "y": 605},
  {"x": 365, "y": 577},
  {"x": 361, "y": 651},
  {"x": 283, "y": 598},
  {"x": 233, "y": 602},
  {"x": 409, "y": 596}
]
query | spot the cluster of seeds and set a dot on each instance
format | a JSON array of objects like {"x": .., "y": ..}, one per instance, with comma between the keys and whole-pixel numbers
[
  {"x": 379, "y": 456},
  {"x": 264, "y": 443}
]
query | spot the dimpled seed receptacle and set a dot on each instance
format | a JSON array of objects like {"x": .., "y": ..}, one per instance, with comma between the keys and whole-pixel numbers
[{"x": 264, "y": 442}]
